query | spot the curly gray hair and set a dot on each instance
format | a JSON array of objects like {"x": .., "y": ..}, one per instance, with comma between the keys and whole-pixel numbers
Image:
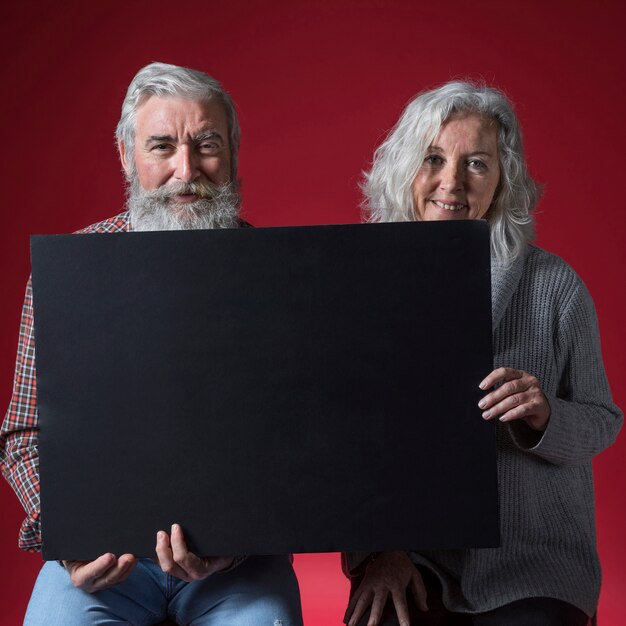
[{"x": 387, "y": 186}]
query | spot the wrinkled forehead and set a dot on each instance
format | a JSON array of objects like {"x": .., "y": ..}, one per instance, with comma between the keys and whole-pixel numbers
[
  {"x": 180, "y": 115},
  {"x": 188, "y": 96},
  {"x": 469, "y": 127},
  {"x": 182, "y": 102}
]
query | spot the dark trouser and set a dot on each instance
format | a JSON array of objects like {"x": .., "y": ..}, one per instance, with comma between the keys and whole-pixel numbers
[{"x": 529, "y": 612}]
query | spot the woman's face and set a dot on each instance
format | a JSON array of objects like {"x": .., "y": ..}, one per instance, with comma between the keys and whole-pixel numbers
[{"x": 461, "y": 170}]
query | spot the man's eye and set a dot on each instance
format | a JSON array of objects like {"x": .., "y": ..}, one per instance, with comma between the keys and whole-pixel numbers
[
  {"x": 208, "y": 148},
  {"x": 161, "y": 147}
]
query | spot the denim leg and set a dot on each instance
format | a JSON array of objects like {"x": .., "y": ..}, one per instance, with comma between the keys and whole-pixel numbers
[
  {"x": 262, "y": 591},
  {"x": 140, "y": 600}
]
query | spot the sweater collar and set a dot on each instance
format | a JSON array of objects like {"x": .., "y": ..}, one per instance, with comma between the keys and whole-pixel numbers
[{"x": 504, "y": 282}]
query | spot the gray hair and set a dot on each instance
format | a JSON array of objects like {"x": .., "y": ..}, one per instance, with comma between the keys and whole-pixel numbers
[
  {"x": 388, "y": 185},
  {"x": 163, "y": 79}
]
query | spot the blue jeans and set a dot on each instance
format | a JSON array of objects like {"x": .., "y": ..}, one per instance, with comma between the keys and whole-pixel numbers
[{"x": 260, "y": 591}]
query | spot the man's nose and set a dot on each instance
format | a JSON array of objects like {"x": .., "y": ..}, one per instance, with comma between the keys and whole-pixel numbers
[
  {"x": 452, "y": 178},
  {"x": 185, "y": 165}
]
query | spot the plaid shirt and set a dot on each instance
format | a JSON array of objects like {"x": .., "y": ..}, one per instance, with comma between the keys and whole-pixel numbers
[{"x": 19, "y": 458}]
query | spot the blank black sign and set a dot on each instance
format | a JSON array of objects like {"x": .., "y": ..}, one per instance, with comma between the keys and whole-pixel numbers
[{"x": 273, "y": 390}]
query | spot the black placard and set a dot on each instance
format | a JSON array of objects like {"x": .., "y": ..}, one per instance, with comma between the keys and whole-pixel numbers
[{"x": 273, "y": 390}]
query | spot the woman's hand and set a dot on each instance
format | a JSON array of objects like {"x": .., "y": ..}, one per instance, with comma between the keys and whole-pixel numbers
[
  {"x": 176, "y": 560},
  {"x": 105, "y": 571},
  {"x": 389, "y": 573},
  {"x": 518, "y": 398}
]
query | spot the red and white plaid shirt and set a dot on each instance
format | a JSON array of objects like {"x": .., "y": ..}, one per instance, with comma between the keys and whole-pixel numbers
[{"x": 19, "y": 458}]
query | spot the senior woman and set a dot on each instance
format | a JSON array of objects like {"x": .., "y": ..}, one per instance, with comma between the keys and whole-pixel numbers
[{"x": 456, "y": 153}]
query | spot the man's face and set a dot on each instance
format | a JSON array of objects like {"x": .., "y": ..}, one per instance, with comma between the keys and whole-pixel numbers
[
  {"x": 179, "y": 140},
  {"x": 179, "y": 171}
]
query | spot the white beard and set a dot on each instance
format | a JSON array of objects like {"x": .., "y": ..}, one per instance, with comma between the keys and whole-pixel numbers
[{"x": 216, "y": 207}]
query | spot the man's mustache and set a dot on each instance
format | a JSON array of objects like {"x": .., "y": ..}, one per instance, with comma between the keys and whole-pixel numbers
[{"x": 204, "y": 190}]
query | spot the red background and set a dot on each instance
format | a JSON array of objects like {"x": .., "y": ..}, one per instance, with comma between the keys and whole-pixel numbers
[{"x": 317, "y": 85}]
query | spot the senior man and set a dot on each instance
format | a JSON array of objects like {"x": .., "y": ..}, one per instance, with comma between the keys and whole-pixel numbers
[{"x": 178, "y": 138}]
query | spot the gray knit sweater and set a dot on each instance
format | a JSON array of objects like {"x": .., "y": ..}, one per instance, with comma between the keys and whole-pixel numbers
[{"x": 544, "y": 323}]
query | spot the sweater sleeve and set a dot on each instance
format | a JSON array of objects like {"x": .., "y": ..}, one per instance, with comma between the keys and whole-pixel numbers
[{"x": 583, "y": 420}]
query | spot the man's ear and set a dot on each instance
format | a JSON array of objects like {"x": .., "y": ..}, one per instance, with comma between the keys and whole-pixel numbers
[{"x": 124, "y": 158}]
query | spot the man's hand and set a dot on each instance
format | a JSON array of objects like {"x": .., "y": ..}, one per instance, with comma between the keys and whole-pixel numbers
[
  {"x": 390, "y": 573},
  {"x": 519, "y": 397},
  {"x": 105, "y": 571},
  {"x": 176, "y": 560}
]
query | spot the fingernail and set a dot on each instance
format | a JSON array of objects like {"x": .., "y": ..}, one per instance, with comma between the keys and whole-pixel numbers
[
  {"x": 504, "y": 419},
  {"x": 482, "y": 403},
  {"x": 486, "y": 414},
  {"x": 482, "y": 385},
  {"x": 174, "y": 527}
]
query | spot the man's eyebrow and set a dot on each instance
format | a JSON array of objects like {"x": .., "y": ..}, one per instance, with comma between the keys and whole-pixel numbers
[
  {"x": 204, "y": 136},
  {"x": 209, "y": 134},
  {"x": 157, "y": 138}
]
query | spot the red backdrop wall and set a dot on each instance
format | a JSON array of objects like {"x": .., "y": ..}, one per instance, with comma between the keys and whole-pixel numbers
[{"x": 317, "y": 85}]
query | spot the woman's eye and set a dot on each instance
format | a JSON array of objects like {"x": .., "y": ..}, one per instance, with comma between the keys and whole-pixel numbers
[
  {"x": 433, "y": 160},
  {"x": 477, "y": 164}
]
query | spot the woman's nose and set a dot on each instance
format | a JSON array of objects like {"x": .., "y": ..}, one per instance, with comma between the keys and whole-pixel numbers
[{"x": 451, "y": 178}]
